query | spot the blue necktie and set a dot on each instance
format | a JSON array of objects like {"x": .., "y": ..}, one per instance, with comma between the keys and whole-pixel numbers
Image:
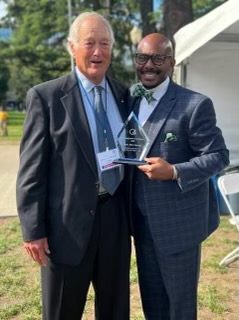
[{"x": 110, "y": 179}]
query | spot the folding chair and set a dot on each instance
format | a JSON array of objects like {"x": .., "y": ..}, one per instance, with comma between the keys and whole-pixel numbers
[{"x": 228, "y": 184}]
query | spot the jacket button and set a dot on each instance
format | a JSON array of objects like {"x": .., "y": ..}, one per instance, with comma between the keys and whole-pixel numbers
[{"x": 92, "y": 212}]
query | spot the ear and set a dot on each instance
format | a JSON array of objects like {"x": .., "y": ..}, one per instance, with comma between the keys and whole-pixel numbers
[
  {"x": 71, "y": 48},
  {"x": 172, "y": 62}
]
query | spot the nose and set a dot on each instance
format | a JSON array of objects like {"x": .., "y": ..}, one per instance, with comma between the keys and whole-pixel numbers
[
  {"x": 97, "y": 49},
  {"x": 149, "y": 63}
]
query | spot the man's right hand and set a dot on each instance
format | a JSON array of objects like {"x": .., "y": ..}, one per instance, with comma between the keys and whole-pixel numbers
[
  {"x": 157, "y": 168},
  {"x": 37, "y": 249}
]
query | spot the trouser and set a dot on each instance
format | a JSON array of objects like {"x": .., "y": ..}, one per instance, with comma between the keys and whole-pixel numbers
[
  {"x": 168, "y": 283},
  {"x": 105, "y": 265}
]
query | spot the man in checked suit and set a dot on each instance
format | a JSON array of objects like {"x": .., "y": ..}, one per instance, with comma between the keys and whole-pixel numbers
[
  {"x": 175, "y": 205},
  {"x": 72, "y": 226}
]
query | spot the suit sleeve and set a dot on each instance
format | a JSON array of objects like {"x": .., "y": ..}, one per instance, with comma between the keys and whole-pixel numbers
[
  {"x": 207, "y": 143},
  {"x": 31, "y": 186}
]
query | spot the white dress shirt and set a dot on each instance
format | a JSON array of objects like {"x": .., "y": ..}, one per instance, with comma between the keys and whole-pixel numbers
[{"x": 145, "y": 108}]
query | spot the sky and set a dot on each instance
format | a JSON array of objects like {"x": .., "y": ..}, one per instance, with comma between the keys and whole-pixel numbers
[
  {"x": 2, "y": 11},
  {"x": 157, "y": 3}
]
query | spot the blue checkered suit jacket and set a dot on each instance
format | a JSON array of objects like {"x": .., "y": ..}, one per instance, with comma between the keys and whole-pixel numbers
[{"x": 182, "y": 214}]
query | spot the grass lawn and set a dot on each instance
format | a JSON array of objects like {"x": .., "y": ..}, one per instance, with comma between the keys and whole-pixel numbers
[
  {"x": 20, "y": 291},
  {"x": 14, "y": 127}
]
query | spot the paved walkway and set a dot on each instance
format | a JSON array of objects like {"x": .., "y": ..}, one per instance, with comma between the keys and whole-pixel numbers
[{"x": 8, "y": 172}]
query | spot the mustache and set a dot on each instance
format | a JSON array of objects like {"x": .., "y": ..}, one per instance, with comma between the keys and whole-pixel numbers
[{"x": 151, "y": 70}]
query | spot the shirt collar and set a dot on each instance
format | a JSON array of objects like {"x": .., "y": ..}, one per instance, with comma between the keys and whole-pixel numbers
[
  {"x": 161, "y": 89},
  {"x": 86, "y": 83}
]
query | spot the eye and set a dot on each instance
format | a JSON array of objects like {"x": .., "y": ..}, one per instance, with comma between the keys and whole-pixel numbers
[
  {"x": 158, "y": 58},
  {"x": 141, "y": 58},
  {"x": 105, "y": 44},
  {"x": 89, "y": 44}
]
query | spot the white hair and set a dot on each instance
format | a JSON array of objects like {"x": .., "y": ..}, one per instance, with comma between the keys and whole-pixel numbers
[{"x": 73, "y": 35}]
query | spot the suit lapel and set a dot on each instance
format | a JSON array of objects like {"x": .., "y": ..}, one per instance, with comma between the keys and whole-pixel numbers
[
  {"x": 73, "y": 104},
  {"x": 157, "y": 119},
  {"x": 119, "y": 96},
  {"x": 133, "y": 105}
]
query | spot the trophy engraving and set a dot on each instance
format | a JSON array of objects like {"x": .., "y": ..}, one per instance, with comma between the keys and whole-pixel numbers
[{"x": 132, "y": 142}]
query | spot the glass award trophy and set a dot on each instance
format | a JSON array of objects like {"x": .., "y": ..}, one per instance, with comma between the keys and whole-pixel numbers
[{"x": 132, "y": 142}]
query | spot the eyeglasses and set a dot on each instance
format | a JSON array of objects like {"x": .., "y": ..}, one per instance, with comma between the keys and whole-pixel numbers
[{"x": 157, "y": 58}]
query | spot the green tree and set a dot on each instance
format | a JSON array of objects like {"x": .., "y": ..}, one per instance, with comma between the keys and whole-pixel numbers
[
  {"x": 176, "y": 14},
  {"x": 201, "y": 7},
  {"x": 37, "y": 50},
  {"x": 4, "y": 70},
  {"x": 4, "y": 76},
  {"x": 148, "y": 24}
]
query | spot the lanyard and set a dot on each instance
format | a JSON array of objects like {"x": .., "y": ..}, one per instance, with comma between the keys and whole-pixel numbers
[{"x": 102, "y": 124}]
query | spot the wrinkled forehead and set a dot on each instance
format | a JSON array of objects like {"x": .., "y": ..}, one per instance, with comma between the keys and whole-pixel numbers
[{"x": 94, "y": 28}]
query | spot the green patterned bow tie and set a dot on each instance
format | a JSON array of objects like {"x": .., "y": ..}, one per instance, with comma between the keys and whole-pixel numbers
[{"x": 137, "y": 90}]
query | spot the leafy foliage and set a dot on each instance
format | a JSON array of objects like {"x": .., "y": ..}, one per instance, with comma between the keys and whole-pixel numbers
[
  {"x": 201, "y": 7},
  {"x": 4, "y": 75},
  {"x": 37, "y": 51}
]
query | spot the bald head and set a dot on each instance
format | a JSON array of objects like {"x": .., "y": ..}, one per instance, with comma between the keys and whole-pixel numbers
[
  {"x": 156, "y": 42},
  {"x": 154, "y": 60}
]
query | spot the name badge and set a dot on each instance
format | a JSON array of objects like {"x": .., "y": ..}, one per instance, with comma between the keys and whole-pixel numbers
[{"x": 106, "y": 158}]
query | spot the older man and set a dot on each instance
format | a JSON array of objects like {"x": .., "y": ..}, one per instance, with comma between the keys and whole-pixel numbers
[{"x": 69, "y": 193}]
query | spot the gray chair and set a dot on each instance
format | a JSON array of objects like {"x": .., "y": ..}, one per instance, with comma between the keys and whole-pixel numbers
[{"x": 228, "y": 184}]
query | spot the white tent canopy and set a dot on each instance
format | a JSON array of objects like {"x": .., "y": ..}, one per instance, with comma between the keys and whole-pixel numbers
[
  {"x": 207, "y": 58},
  {"x": 223, "y": 20}
]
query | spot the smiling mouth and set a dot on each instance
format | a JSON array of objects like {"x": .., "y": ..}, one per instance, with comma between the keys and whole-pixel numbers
[
  {"x": 150, "y": 73},
  {"x": 96, "y": 62}
]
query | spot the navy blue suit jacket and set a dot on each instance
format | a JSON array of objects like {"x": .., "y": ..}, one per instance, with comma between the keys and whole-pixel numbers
[
  {"x": 182, "y": 214},
  {"x": 57, "y": 183}
]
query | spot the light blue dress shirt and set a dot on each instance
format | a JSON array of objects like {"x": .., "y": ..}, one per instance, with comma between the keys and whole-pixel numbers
[{"x": 87, "y": 91}]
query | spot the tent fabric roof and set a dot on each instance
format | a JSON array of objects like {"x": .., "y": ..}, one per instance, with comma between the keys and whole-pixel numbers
[{"x": 195, "y": 34}]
